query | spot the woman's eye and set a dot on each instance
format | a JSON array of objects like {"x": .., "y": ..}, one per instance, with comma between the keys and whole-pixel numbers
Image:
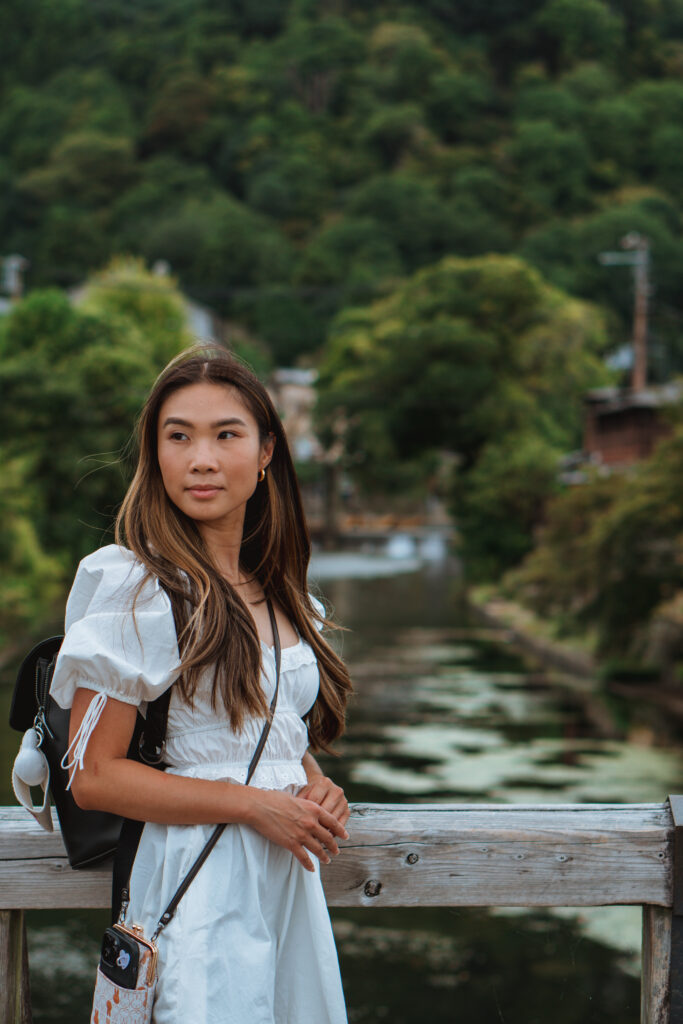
[
  {"x": 224, "y": 432},
  {"x": 177, "y": 435}
]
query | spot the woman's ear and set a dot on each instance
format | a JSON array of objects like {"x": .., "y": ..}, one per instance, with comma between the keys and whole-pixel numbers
[{"x": 267, "y": 448}]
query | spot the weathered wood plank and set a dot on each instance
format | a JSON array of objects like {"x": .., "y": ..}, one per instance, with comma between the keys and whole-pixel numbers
[
  {"x": 15, "y": 1002},
  {"x": 22, "y": 837},
  {"x": 656, "y": 956},
  {"x": 478, "y": 855},
  {"x": 51, "y": 884},
  {"x": 423, "y": 855}
]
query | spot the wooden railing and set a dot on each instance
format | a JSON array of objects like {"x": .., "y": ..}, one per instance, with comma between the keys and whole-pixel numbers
[{"x": 451, "y": 855}]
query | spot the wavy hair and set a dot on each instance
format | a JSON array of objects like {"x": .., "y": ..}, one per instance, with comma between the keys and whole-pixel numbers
[{"x": 214, "y": 626}]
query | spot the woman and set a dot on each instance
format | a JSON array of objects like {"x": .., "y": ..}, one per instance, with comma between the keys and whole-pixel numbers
[{"x": 213, "y": 526}]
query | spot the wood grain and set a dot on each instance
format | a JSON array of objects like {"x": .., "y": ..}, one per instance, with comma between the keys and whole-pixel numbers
[
  {"x": 656, "y": 957},
  {"x": 15, "y": 1002},
  {"x": 422, "y": 855}
]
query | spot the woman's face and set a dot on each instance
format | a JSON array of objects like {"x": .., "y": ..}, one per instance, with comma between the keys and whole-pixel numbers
[{"x": 210, "y": 452}]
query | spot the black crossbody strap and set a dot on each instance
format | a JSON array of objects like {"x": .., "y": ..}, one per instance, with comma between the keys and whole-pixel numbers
[{"x": 168, "y": 914}]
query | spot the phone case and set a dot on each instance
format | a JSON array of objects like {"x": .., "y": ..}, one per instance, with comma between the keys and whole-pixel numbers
[{"x": 114, "y": 1003}]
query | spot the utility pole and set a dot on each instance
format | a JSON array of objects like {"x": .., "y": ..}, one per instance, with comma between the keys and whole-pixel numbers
[{"x": 639, "y": 259}]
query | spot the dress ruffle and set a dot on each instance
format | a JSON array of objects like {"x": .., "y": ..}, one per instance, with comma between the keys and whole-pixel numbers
[
  {"x": 271, "y": 775},
  {"x": 294, "y": 657}
]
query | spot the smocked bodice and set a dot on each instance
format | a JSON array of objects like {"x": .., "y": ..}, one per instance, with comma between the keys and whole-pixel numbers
[{"x": 201, "y": 743}]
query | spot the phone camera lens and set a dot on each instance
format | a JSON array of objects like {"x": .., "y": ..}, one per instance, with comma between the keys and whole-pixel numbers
[{"x": 109, "y": 949}]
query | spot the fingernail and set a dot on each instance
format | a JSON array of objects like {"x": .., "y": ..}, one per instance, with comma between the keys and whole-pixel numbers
[{"x": 346, "y": 834}]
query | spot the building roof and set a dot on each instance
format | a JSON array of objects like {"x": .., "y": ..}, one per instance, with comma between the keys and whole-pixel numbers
[{"x": 621, "y": 399}]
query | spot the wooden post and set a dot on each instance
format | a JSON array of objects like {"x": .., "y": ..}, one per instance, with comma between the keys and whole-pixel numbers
[
  {"x": 15, "y": 1000},
  {"x": 656, "y": 957}
]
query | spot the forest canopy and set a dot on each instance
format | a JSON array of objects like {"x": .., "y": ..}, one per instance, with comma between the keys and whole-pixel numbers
[{"x": 290, "y": 158}]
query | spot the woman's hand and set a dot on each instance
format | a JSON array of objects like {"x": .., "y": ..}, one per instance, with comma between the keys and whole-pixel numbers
[
  {"x": 296, "y": 823},
  {"x": 323, "y": 791}
]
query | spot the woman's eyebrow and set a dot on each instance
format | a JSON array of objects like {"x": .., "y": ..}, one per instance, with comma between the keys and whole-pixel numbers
[{"x": 233, "y": 420}]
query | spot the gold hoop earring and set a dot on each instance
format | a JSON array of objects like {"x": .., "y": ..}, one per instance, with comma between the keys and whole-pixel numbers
[{"x": 261, "y": 475}]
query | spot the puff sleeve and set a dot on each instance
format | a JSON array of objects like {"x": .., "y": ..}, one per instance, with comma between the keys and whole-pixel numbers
[
  {"x": 105, "y": 648},
  {"x": 133, "y": 659}
]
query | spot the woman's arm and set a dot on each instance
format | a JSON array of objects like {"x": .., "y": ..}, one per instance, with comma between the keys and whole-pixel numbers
[
  {"x": 323, "y": 791},
  {"x": 109, "y": 781}
]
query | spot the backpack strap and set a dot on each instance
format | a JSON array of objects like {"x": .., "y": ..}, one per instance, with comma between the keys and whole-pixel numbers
[{"x": 150, "y": 747}]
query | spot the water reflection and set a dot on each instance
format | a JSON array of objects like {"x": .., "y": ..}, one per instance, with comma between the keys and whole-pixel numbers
[
  {"x": 480, "y": 968},
  {"x": 445, "y": 711}
]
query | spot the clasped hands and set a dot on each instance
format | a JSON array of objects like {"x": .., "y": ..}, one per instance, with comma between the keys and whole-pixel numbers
[{"x": 311, "y": 821}]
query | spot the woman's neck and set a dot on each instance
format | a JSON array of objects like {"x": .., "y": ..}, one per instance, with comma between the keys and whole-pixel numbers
[{"x": 225, "y": 547}]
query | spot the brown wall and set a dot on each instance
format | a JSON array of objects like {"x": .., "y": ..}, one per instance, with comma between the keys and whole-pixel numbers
[{"x": 622, "y": 436}]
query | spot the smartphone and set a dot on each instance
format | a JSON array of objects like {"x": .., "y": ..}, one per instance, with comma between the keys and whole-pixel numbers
[{"x": 120, "y": 958}]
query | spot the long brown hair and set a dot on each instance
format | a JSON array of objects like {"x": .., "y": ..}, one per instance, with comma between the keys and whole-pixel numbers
[{"x": 215, "y": 628}]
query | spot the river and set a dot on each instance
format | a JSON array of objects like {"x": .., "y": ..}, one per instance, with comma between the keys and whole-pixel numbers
[{"x": 443, "y": 711}]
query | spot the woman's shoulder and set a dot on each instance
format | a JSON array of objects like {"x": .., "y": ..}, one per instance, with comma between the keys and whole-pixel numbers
[
  {"x": 132, "y": 657},
  {"x": 110, "y": 557},
  {"x": 111, "y": 578}
]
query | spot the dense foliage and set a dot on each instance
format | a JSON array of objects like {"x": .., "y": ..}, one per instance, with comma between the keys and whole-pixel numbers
[
  {"x": 479, "y": 357},
  {"x": 611, "y": 553},
  {"x": 73, "y": 379},
  {"x": 290, "y": 158}
]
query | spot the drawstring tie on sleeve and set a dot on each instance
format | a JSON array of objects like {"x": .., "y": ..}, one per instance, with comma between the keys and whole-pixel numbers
[{"x": 79, "y": 743}]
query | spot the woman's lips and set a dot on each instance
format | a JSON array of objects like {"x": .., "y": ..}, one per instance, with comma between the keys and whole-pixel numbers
[{"x": 203, "y": 492}]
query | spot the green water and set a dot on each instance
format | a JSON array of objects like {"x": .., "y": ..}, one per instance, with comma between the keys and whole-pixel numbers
[{"x": 445, "y": 711}]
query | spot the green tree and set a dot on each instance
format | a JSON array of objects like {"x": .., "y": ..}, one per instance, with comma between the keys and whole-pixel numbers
[
  {"x": 501, "y": 501},
  {"x": 88, "y": 169},
  {"x": 411, "y": 213},
  {"x": 477, "y": 357},
  {"x": 72, "y": 384},
  {"x": 553, "y": 163},
  {"x": 352, "y": 253},
  {"x": 289, "y": 187},
  {"x": 219, "y": 247},
  {"x": 543, "y": 101},
  {"x": 462, "y": 105},
  {"x": 165, "y": 183},
  {"x": 32, "y": 580},
  {"x": 575, "y": 30},
  {"x": 610, "y": 552},
  {"x": 667, "y": 158},
  {"x": 142, "y": 304}
]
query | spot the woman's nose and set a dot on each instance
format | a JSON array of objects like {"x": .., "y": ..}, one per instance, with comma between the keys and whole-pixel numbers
[{"x": 203, "y": 459}]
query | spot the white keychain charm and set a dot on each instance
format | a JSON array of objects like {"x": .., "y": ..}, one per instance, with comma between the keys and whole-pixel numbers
[
  {"x": 31, "y": 764},
  {"x": 31, "y": 769}
]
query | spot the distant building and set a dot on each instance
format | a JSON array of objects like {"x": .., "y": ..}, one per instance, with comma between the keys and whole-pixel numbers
[
  {"x": 12, "y": 269},
  {"x": 204, "y": 323},
  {"x": 293, "y": 394},
  {"x": 623, "y": 425}
]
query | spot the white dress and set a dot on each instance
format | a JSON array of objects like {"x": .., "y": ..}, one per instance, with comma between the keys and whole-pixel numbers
[{"x": 251, "y": 942}]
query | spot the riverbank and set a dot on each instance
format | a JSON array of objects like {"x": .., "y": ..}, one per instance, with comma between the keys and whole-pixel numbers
[
  {"x": 571, "y": 656},
  {"x": 531, "y": 633}
]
